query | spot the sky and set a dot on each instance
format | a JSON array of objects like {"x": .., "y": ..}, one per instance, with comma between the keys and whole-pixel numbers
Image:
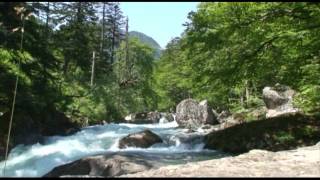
[{"x": 160, "y": 20}]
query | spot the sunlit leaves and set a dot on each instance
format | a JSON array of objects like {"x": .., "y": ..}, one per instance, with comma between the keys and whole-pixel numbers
[
  {"x": 9, "y": 62},
  {"x": 228, "y": 44}
]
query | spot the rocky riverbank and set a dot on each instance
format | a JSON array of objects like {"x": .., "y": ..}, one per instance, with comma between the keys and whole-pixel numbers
[
  {"x": 279, "y": 133},
  {"x": 302, "y": 162},
  {"x": 197, "y": 124},
  {"x": 29, "y": 128}
]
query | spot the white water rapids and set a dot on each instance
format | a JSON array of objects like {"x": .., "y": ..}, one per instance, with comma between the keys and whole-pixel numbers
[{"x": 38, "y": 159}]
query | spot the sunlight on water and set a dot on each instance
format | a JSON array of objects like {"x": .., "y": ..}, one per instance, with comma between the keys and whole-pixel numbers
[{"x": 38, "y": 159}]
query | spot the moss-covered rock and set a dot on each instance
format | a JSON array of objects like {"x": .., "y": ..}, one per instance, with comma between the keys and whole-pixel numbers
[
  {"x": 29, "y": 128},
  {"x": 279, "y": 133}
]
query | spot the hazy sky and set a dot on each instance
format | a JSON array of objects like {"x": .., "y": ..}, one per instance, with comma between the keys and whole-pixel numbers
[{"x": 160, "y": 20}]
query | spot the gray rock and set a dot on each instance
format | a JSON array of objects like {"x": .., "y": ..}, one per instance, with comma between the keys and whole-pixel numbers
[
  {"x": 226, "y": 119},
  {"x": 101, "y": 166},
  {"x": 143, "y": 139},
  {"x": 148, "y": 117},
  {"x": 278, "y": 100},
  {"x": 190, "y": 114},
  {"x": 215, "y": 113},
  {"x": 206, "y": 112},
  {"x": 302, "y": 162},
  {"x": 223, "y": 116},
  {"x": 167, "y": 116},
  {"x": 140, "y": 118},
  {"x": 191, "y": 138},
  {"x": 154, "y": 116}
]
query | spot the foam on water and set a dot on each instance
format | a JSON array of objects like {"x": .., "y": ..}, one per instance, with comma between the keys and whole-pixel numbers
[{"x": 38, "y": 159}]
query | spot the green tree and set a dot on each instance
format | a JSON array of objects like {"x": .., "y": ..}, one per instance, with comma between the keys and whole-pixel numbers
[{"x": 134, "y": 77}]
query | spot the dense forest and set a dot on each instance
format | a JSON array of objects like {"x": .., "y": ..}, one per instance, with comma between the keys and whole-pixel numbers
[
  {"x": 77, "y": 58},
  {"x": 62, "y": 43},
  {"x": 230, "y": 51}
]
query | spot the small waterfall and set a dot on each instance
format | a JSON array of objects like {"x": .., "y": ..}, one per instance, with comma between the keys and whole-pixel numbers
[{"x": 163, "y": 120}]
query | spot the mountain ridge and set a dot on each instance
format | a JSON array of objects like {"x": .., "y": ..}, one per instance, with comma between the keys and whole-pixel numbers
[{"x": 147, "y": 40}]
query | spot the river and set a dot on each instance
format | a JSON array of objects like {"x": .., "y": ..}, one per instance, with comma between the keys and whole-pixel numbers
[{"x": 38, "y": 159}]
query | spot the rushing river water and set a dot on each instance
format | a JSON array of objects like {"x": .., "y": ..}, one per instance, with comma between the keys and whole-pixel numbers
[{"x": 38, "y": 159}]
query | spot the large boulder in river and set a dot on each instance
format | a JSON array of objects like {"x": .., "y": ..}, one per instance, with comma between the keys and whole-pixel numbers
[
  {"x": 278, "y": 100},
  {"x": 191, "y": 114},
  {"x": 143, "y": 139},
  {"x": 108, "y": 165}
]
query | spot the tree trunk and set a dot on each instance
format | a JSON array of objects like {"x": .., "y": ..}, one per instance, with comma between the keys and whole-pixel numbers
[
  {"x": 92, "y": 70},
  {"x": 241, "y": 100},
  {"x": 47, "y": 20},
  {"x": 247, "y": 92},
  {"x": 102, "y": 32},
  {"x": 65, "y": 66},
  {"x": 127, "y": 51},
  {"x": 113, "y": 43}
]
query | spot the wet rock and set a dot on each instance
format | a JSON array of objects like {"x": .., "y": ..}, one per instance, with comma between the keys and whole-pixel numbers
[
  {"x": 147, "y": 117},
  {"x": 25, "y": 130},
  {"x": 143, "y": 139},
  {"x": 154, "y": 116},
  {"x": 190, "y": 139},
  {"x": 168, "y": 116},
  {"x": 80, "y": 167},
  {"x": 57, "y": 123},
  {"x": 101, "y": 166},
  {"x": 2, "y": 148},
  {"x": 192, "y": 115}
]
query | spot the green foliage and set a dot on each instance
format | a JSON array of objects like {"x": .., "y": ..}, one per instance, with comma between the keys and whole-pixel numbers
[
  {"x": 309, "y": 98},
  {"x": 231, "y": 51},
  {"x": 274, "y": 134},
  {"x": 309, "y": 131},
  {"x": 283, "y": 137},
  {"x": 147, "y": 40},
  {"x": 55, "y": 69},
  {"x": 134, "y": 76},
  {"x": 12, "y": 69}
]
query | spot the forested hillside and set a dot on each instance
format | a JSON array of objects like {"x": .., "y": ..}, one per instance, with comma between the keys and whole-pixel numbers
[
  {"x": 72, "y": 65},
  {"x": 77, "y": 58},
  {"x": 147, "y": 40},
  {"x": 54, "y": 60}
]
